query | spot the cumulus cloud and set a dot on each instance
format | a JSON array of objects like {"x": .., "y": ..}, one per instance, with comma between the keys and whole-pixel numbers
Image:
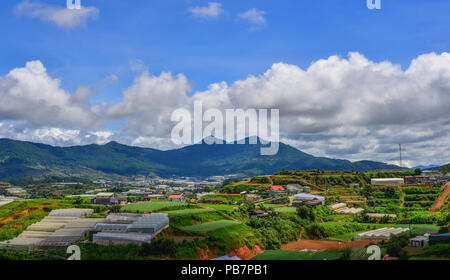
[
  {"x": 149, "y": 102},
  {"x": 59, "y": 15},
  {"x": 213, "y": 10},
  {"x": 341, "y": 107},
  {"x": 30, "y": 94},
  {"x": 256, "y": 18}
]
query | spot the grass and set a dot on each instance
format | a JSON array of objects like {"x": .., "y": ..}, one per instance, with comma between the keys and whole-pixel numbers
[
  {"x": 286, "y": 209},
  {"x": 219, "y": 207},
  {"x": 274, "y": 205},
  {"x": 210, "y": 226},
  {"x": 146, "y": 207},
  {"x": 326, "y": 255},
  {"x": 16, "y": 216},
  {"x": 187, "y": 212},
  {"x": 280, "y": 255}
]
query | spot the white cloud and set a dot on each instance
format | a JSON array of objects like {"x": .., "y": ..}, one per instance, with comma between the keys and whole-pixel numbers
[
  {"x": 148, "y": 103},
  {"x": 59, "y": 15},
  {"x": 255, "y": 17},
  {"x": 338, "y": 107},
  {"x": 30, "y": 94},
  {"x": 213, "y": 10}
]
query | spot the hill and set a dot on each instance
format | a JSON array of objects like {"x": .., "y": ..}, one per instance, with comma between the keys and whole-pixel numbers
[
  {"x": 19, "y": 159},
  {"x": 445, "y": 169}
]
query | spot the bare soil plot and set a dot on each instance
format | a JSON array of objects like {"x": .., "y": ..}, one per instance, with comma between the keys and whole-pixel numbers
[{"x": 321, "y": 245}]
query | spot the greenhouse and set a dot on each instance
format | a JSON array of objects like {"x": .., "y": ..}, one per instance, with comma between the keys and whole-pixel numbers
[
  {"x": 74, "y": 212},
  {"x": 109, "y": 238},
  {"x": 111, "y": 227},
  {"x": 381, "y": 233},
  {"x": 152, "y": 223}
]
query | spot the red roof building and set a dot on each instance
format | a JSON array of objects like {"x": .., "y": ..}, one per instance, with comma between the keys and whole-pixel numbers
[{"x": 277, "y": 188}]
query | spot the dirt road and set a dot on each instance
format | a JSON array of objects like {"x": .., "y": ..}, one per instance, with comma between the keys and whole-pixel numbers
[{"x": 441, "y": 198}]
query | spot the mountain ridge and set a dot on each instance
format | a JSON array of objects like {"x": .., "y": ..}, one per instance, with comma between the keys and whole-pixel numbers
[{"x": 22, "y": 158}]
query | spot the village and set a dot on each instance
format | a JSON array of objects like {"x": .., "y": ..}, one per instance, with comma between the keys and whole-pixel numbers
[{"x": 320, "y": 213}]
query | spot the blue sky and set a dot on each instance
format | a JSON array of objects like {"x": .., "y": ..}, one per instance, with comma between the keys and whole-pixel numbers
[{"x": 165, "y": 35}]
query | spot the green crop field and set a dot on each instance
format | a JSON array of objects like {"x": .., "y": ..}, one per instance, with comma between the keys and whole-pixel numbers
[
  {"x": 210, "y": 226},
  {"x": 280, "y": 255},
  {"x": 219, "y": 207},
  {"x": 187, "y": 212},
  {"x": 16, "y": 216},
  {"x": 286, "y": 209},
  {"x": 146, "y": 207},
  {"x": 326, "y": 255}
]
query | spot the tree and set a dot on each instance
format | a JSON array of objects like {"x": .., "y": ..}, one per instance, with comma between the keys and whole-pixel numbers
[
  {"x": 306, "y": 212},
  {"x": 114, "y": 209},
  {"x": 418, "y": 171}
]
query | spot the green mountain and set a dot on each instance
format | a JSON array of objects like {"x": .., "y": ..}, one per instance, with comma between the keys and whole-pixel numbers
[{"x": 20, "y": 159}]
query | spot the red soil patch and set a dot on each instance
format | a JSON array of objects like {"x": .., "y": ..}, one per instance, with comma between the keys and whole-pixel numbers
[
  {"x": 12, "y": 218},
  {"x": 441, "y": 200},
  {"x": 26, "y": 211},
  {"x": 321, "y": 245},
  {"x": 206, "y": 254},
  {"x": 244, "y": 253}
]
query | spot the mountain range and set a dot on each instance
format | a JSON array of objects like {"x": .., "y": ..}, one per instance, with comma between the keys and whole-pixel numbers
[{"x": 21, "y": 159}]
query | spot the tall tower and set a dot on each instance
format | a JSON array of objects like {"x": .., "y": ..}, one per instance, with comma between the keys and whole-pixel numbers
[{"x": 400, "y": 149}]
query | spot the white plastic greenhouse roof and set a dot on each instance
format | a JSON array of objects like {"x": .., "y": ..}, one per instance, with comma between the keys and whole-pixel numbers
[
  {"x": 382, "y": 233},
  {"x": 307, "y": 195}
]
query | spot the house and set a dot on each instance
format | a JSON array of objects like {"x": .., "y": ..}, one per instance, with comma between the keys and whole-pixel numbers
[
  {"x": 118, "y": 199},
  {"x": 419, "y": 241},
  {"x": 177, "y": 198},
  {"x": 103, "y": 198},
  {"x": 294, "y": 188},
  {"x": 252, "y": 197},
  {"x": 277, "y": 188},
  {"x": 308, "y": 199},
  {"x": 261, "y": 214},
  {"x": 416, "y": 179}
]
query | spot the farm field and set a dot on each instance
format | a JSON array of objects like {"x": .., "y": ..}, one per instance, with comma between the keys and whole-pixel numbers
[
  {"x": 280, "y": 255},
  {"x": 285, "y": 209},
  {"x": 219, "y": 207},
  {"x": 147, "y": 207},
  {"x": 16, "y": 216},
  {"x": 210, "y": 226},
  {"x": 187, "y": 212}
]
